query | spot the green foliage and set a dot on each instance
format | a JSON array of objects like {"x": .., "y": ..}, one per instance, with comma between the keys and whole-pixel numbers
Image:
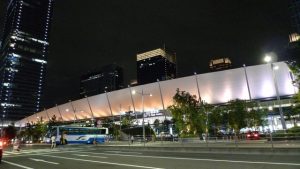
[
  {"x": 35, "y": 132},
  {"x": 188, "y": 113},
  {"x": 255, "y": 117},
  {"x": 39, "y": 130},
  {"x": 156, "y": 123},
  {"x": 237, "y": 114},
  {"x": 217, "y": 118},
  {"x": 127, "y": 121},
  {"x": 296, "y": 99},
  {"x": 296, "y": 71},
  {"x": 54, "y": 122},
  {"x": 294, "y": 130},
  {"x": 242, "y": 113}
]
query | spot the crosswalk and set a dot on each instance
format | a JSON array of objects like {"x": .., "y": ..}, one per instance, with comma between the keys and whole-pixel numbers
[{"x": 11, "y": 153}]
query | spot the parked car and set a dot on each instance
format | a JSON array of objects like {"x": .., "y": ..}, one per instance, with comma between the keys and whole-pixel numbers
[{"x": 252, "y": 135}]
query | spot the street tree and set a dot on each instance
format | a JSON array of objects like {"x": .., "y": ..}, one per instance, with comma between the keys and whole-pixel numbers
[
  {"x": 127, "y": 120},
  {"x": 217, "y": 119},
  {"x": 237, "y": 113},
  {"x": 188, "y": 113},
  {"x": 256, "y": 116},
  {"x": 39, "y": 130},
  {"x": 243, "y": 113},
  {"x": 295, "y": 110}
]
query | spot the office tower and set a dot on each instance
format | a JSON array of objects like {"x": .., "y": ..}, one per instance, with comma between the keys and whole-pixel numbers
[
  {"x": 23, "y": 57},
  {"x": 294, "y": 9},
  {"x": 108, "y": 78},
  {"x": 220, "y": 64},
  {"x": 293, "y": 49},
  {"x": 157, "y": 64}
]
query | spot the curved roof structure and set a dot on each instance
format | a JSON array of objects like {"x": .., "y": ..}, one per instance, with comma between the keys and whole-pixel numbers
[{"x": 214, "y": 88}]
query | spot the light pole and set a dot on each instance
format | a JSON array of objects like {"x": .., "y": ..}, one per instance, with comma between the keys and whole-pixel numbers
[
  {"x": 74, "y": 111},
  {"x": 143, "y": 123},
  {"x": 268, "y": 59}
]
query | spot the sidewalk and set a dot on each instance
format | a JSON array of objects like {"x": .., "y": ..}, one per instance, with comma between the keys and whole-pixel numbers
[{"x": 241, "y": 147}]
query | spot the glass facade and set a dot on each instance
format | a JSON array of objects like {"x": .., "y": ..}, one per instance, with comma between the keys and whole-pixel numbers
[
  {"x": 295, "y": 15},
  {"x": 109, "y": 78},
  {"x": 23, "y": 57},
  {"x": 155, "y": 65}
]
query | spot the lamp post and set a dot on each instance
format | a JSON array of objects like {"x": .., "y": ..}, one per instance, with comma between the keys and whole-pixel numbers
[
  {"x": 143, "y": 123},
  {"x": 268, "y": 59}
]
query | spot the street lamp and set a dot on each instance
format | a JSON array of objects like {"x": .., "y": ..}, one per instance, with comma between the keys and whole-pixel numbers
[
  {"x": 143, "y": 123},
  {"x": 268, "y": 59}
]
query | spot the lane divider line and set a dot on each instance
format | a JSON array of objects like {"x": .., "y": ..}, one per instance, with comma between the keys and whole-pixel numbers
[
  {"x": 103, "y": 162},
  {"x": 18, "y": 165},
  {"x": 85, "y": 155},
  {"x": 198, "y": 159}
]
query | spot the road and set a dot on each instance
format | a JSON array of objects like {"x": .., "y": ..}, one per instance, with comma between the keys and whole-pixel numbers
[{"x": 92, "y": 157}]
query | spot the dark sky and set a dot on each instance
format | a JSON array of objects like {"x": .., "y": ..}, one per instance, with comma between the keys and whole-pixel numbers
[{"x": 88, "y": 34}]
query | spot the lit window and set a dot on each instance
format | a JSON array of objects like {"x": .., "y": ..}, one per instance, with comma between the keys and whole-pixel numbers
[{"x": 39, "y": 60}]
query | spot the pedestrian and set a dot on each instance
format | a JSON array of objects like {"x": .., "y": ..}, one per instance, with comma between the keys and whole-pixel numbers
[
  {"x": 204, "y": 136},
  {"x": 53, "y": 141},
  {"x": 16, "y": 145},
  {"x": 132, "y": 138}
]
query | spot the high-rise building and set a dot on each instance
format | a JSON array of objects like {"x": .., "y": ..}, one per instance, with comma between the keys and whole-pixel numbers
[
  {"x": 108, "y": 78},
  {"x": 220, "y": 64},
  {"x": 294, "y": 9},
  {"x": 293, "y": 49},
  {"x": 158, "y": 64},
  {"x": 23, "y": 57}
]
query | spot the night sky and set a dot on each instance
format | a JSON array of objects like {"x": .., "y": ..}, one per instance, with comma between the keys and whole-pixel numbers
[{"x": 88, "y": 34}]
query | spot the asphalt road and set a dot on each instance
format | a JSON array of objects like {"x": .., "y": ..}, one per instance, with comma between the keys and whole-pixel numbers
[{"x": 90, "y": 157}]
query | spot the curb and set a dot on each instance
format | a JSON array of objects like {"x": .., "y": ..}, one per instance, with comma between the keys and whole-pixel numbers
[{"x": 219, "y": 150}]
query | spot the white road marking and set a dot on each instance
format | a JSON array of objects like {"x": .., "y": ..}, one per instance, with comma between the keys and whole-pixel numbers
[
  {"x": 85, "y": 155},
  {"x": 18, "y": 165},
  {"x": 198, "y": 159},
  {"x": 41, "y": 153},
  {"x": 27, "y": 151},
  {"x": 103, "y": 162},
  {"x": 123, "y": 152},
  {"x": 41, "y": 160}
]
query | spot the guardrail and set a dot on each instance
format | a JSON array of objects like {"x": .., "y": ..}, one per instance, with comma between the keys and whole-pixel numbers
[{"x": 241, "y": 141}]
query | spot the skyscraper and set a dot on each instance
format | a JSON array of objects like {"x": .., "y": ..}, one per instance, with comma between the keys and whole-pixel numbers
[
  {"x": 293, "y": 49},
  {"x": 108, "y": 78},
  {"x": 23, "y": 57},
  {"x": 220, "y": 64},
  {"x": 294, "y": 9},
  {"x": 158, "y": 64}
]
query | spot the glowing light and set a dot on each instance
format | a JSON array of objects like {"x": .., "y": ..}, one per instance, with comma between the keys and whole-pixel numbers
[
  {"x": 268, "y": 59},
  {"x": 270, "y": 108},
  {"x": 39, "y": 60},
  {"x": 276, "y": 67}
]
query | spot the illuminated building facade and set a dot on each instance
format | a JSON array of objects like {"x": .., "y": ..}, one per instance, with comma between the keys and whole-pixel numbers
[
  {"x": 109, "y": 78},
  {"x": 23, "y": 57},
  {"x": 213, "y": 88},
  {"x": 220, "y": 64},
  {"x": 158, "y": 64}
]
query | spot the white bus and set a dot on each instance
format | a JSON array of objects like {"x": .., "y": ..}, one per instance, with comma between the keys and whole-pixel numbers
[{"x": 77, "y": 135}]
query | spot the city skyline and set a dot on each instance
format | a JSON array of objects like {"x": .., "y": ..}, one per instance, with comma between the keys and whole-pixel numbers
[{"x": 197, "y": 31}]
